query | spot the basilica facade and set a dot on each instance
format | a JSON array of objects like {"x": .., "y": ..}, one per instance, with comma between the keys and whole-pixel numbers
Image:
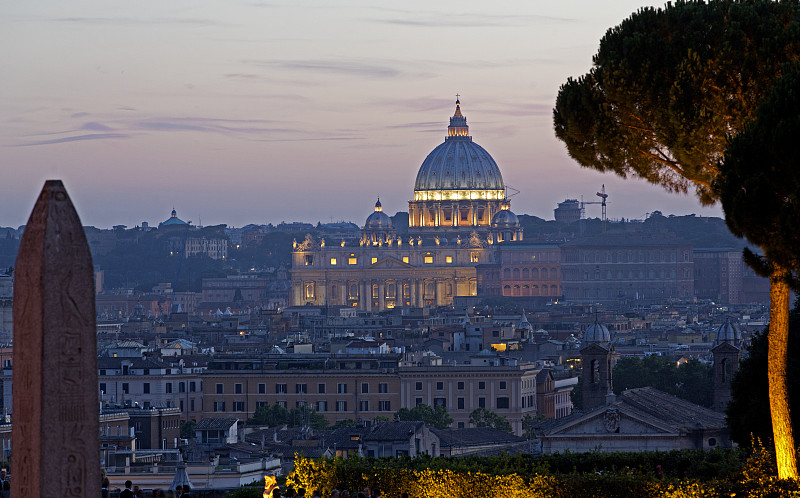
[{"x": 458, "y": 214}]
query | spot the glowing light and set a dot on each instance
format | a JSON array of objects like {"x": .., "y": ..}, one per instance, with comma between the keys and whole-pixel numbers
[{"x": 270, "y": 483}]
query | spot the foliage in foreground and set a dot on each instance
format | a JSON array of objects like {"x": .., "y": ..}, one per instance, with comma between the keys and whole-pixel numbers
[{"x": 675, "y": 474}]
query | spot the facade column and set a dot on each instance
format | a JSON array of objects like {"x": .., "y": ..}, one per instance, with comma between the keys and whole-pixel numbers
[
  {"x": 381, "y": 295},
  {"x": 362, "y": 298},
  {"x": 412, "y": 292}
]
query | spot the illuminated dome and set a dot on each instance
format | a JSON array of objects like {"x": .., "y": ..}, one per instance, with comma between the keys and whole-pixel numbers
[
  {"x": 378, "y": 219},
  {"x": 459, "y": 168}
]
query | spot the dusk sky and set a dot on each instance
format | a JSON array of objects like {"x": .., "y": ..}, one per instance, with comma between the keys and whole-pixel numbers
[{"x": 260, "y": 112}]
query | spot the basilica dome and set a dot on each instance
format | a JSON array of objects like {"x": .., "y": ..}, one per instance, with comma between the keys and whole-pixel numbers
[{"x": 459, "y": 168}]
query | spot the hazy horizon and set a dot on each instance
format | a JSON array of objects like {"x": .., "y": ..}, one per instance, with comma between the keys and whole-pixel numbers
[{"x": 262, "y": 112}]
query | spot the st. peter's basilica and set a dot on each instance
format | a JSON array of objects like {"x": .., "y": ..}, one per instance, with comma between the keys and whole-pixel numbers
[{"x": 458, "y": 215}]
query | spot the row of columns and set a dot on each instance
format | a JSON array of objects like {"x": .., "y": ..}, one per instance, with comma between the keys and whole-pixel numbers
[{"x": 418, "y": 211}]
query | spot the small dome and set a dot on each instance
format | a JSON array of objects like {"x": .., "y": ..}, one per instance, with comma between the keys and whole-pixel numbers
[
  {"x": 728, "y": 332},
  {"x": 378, "y": 219},
  {"x": 505, "y": 219},
  {"x": 596, "y": 333}
]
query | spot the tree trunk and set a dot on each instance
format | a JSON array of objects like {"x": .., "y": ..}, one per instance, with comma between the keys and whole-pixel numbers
[{"x": 778, "y": 340}]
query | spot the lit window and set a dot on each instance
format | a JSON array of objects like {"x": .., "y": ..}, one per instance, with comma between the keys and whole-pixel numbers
[
  {"x": 448, "y": 259},
  {"x": 374, "y": 260},
  {"x": 405, "y": 259},
  {"x": 428, "y": 260},
  {"x": 333, "y": 261},
  {"x": 352, "y": 261},
  {"x": 473, "y": 257}
]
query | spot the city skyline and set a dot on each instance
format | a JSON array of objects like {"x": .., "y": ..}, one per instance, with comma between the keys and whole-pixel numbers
[{"x": 256, "y": 112}]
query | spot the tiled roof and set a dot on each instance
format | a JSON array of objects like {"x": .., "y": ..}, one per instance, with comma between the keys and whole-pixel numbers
[
  {"x": 393, "y": 431},
  {"x": 671, "y": 410},
  {"x": 475, "y": 436},
  {"x": 216, "y": 423}
]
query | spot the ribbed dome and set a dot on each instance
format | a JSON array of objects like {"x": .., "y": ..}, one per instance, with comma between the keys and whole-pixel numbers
[
  {"x": 728, "y": 332},
  {"x": 505, "y": 219},
  {"x": 596, "y": 333},
  {"x": 459, "y": 168}
]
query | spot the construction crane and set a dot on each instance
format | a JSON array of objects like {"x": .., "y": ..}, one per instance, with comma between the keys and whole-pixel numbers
[{"x": 603, "y": 196}]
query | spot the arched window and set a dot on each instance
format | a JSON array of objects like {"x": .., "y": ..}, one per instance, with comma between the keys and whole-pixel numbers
[
  {"x": 516, "y": 290},
  {"x": 595, "y": 372},
  {"x": 507, "y": 273},
  {"x": 535, "y": 274},
  {"x": 535, "y": 290},
  {"x": 507, "y": 290},
  {"x": 516, "y": 273},
  {"x": 525, "y": 274}
]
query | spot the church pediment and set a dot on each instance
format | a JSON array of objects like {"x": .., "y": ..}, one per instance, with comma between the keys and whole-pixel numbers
[
  {"x": 614, "y": 419},
  {"x": 388, "y": 262},
  {"x": 594, "y": 348},
  {"x": 725, "y": 347}
]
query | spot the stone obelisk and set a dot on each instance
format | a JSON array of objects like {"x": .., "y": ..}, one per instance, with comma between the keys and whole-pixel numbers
[{"x": 55, "y": 437}]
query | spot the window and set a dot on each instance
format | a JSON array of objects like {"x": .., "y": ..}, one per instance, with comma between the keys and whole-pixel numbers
[
  {"x": 146, "y": 388},
  {"x": 341, "y": 406},
  {"x": 405, "y": 259},
  {"x": 502, "y": 384},
  {"x": 301, "y": 388},
  {"x": 192, "y": 386},
  {"x": 502, "y": 402},
  {"x": 103, "y": 387},
  {"x": 281, "y": 388},
  {"x": 322, "y": 406},
  {"x": 125, "y": 388},
  {"x": 262, "y": 389},
  {"x": 282, "y": 404},
  {"x": 352, "y": 261},
  {"x": 473, "y": 257},
  {"x": 321, "y": 388},
  {"x": 448, "y": 259},
  {"x": 460, "y": 386},
  {"x": 418, "y": 386},
  {"x": 428, "y": 260},
  {"x": 482, "y": 402},
  {"x": 309, "y": 290},
  {"x": 385, "y": 406},
  {"x": 309, "y": 260},
  {"x": 237, "y": 388},
  {"x": 181, "y": 387},
  {"x": 364, "y": 387},
  {"x": 191, "y": 405},
  {"x": 333, "y": 261},
  {"x": 460, "y": 403},
  {"x": 383, "y": 387},
  {"x": 439, "y": 386},
  {"x": 481, "y": 385},
  {"x": 417, "y": 401},
  {"x": 363, "y": 405},
  {"x": 238, "y": 406},
  {"x": 440, "y": 402},
  {"x": 373, "y": 260},
  {"x": 341, "y": 388},
  {"x": 219, "y": 406}
]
